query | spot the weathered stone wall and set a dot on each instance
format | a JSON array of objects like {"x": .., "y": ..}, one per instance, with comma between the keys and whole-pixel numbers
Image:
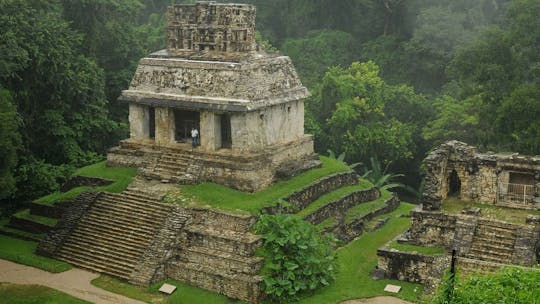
[
  {"x": 480, "y": 176},
  {"x": 165, "y": 126},
  {"x": 431, "y": 228},
  {"x": 139, "y": 127},
  {"x": 54, "y": 240},
  {"x": 408, "y": 266}
]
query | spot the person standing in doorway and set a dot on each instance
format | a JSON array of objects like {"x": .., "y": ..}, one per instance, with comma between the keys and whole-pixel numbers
[{"x": 194, "y": 137}]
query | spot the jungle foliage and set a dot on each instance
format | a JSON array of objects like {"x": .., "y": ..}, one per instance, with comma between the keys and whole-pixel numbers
[{"x": 390, "y": 78}]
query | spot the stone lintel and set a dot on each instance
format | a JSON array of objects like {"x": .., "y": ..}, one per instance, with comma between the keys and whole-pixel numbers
[{"x": 210, "y": 103}]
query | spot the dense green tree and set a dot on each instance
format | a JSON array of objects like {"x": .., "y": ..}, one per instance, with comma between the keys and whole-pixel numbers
[
  {"x": 313, "y": 54},
  {"x": 358, "y": 113},
  {"x": 10, "y": 141}
]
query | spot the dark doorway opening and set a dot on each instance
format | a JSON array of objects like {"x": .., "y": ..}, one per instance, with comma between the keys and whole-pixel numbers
[
  {"x": 454, "y": 184},
  {"x": 184, "y": 122},
  {"x": 152, "y": 123},
  {"x": 226, "y": 138}
]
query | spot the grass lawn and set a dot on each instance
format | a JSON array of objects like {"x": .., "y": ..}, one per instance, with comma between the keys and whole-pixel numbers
[
  {"x": 221, "y": 197},
  {"x": 23, "y": 252},
  {"x": 185, "y": 294},
  {"x": 25, "y": 214},
  {"x": 333, "y": 196},
  {"x": 516, "y": 216},
  {"x": 33, "y": 294},
  {"x": 419, "y": 249},
  {"x": 122, "y": 177}
]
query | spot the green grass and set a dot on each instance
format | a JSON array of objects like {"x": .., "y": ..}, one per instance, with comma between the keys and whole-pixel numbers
[
  {"x": 25, "y": 214},
  {"x": 418, "y": 249},
  {"x": 333, "y": 196},
  {"x": 23, "y": 252},
  {"x": 185, "y": 294},
  {"x": 33, "y": 294},
  {"x": 122, "y": 177},
  {"x": 362, "y": 209},
  {"x": 221, "y": 197},
  {"x": 512, "y": 215},
  {"x": 357, "y": 259}
]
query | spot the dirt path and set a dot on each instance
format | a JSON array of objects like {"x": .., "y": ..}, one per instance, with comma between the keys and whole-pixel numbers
[
  {"x": 75, "y": 282},
  {"x": 377, "y": 300}
]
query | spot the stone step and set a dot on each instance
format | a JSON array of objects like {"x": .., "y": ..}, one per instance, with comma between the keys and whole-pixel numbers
[
  {"x": 117, "y": 225},
  {"x": 142, "y": 195},
  {"x": 486, "y": 255},
  {"x": 131, "y": 215},
  {"x": 119, "y": 256},
  {"x": 236, "y": 286},
  {"x": 119, "y": 221},
  {"x": 120, "y": 272},
  {"x": 116, "y": 232},
  {"x": 497, "y": 224},
  {"x": 119, "y": 240},
  {"x": 130, "y": 211},
  {"x": 167, "y": 163},
  {"x": 100, "y": 259},
  {"x": 471, "y": 266},
  {"x": 135, "y": 201},
  {"x": 113, "y": 245},
  {"x": 506, "y": 235},
  {"x": 494, "y": 239},
  {"x": 222, "y": 261},
  {"x": 492, "y": 247},
  {"x": 243, "y": 244},
  {"x": 222, "y": 220}
]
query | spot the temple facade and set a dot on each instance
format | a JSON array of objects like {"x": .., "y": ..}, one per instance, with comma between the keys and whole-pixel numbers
[{"x": 247, "y": 104}]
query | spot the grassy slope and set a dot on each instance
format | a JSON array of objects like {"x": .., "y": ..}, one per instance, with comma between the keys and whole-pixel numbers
[
  {"x": 362, "y": 209},
  {"x": 23, "y": 252},
  {"x": 121, "y": 177},
  {"x": 221, "y": 197},
  {"x": 25, "y": 214},
  {"x": 26, "y": 294},
  {"x": 358, "y": 258}
]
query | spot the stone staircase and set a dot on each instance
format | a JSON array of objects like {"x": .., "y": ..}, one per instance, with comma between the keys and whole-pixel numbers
[
  {"x": 172, "y": 167},
  {"x": 114, "y": 233},
  {"x": 493, "y": 241},
  {"x": 218, "y": 255}
]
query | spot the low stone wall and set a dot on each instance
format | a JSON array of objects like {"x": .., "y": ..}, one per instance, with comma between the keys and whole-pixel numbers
[
  {"x": 54, "y": 240},
  {"x": 28, "y": 225},
  {"x": 340, "y": 206},
  {"x": 347, "y": 232},
  {"x": 410, "y": 266},
  {"x": 307, "y": 195}
]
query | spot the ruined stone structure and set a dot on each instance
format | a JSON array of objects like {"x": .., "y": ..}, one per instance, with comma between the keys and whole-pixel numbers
[
  {"x": 248, "y": 105},
  {"x": 457, "y": 169},
  {"x": 482, "y": 245}
]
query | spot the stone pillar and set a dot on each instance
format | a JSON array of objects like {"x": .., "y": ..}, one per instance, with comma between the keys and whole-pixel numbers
[
  {"x": 165, "y": 126},
  {"x": 210, "y": 132},
  {"x": 139, "y": 128}
]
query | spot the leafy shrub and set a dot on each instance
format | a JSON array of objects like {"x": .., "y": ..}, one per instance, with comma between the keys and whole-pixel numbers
[
  {"x": 297, "y": 258},
  {"x": 509, "y": 286}
]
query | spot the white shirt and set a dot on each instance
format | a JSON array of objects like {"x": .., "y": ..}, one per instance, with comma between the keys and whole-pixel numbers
[{"x": 194, "y": 133}]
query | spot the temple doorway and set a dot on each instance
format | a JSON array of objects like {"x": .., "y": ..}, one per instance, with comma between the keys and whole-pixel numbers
[
  {"x": 151, "y": 123},
  {"x": 184, "y": 122},
  {"x": 454, "y": 184},
  {"x": 225, "y": 126}
]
